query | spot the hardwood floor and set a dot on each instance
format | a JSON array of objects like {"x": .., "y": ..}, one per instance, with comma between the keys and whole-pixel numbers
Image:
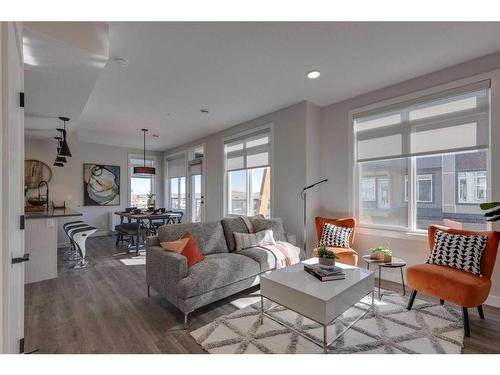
[{"x": 105, "y": 309}]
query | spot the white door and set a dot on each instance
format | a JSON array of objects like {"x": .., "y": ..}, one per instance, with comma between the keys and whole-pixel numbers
[
  {"x": 12, "y": 187},
  {"x": 195, "y": 191}
]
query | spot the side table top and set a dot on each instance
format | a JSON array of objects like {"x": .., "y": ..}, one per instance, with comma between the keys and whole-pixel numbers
[{"x": 395, "y": 262}]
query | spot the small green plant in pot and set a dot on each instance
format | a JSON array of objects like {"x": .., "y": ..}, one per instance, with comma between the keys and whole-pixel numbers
[
  {"x": 382, "y": 253},
  {"x": 326, "y": 258},
  {"x": 151, "y": 201}
]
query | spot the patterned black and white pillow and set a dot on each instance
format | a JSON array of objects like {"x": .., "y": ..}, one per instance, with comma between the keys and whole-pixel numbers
[
  {"x": 334, "y": 236},
  {"x": 458, "y": 251}
]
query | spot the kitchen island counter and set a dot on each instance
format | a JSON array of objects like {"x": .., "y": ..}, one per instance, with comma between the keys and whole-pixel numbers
[{"x": 41, "y": 242}]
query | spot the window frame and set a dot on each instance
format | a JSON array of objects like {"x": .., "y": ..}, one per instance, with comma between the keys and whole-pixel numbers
[
  {"x": 405, "y": 188},
  {"x": 457, "y": 195},
  {"x": 410, "y": 232},
  {"x": 178, "y": 155},
  {"x": 225, "y": 191}
]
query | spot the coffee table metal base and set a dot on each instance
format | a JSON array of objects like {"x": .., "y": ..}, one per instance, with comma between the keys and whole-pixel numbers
[{"x": 323, "y": 344}]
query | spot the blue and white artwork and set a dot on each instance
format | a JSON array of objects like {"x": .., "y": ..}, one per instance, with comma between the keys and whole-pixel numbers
[{"x": 101, "y": 185}]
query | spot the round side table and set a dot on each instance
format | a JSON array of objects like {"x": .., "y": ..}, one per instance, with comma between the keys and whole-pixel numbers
[{"x": 394, "y": 263}]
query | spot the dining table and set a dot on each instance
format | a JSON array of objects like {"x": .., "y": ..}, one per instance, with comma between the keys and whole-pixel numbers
[{"x": 144, "y": 219}]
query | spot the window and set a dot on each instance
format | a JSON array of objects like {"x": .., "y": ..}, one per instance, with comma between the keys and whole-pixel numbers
[
  {"x": 472, "y": 187},
  {"x": 176, "y": 183},
  {"x": 248, "y": 175},
  {"x": 423, "y": 161},
  {"x": 423, "y": 188},
  {"x": 140, "y": 185}
]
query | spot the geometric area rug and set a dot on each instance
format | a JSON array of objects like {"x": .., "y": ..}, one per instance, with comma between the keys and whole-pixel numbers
[{"x": 427, "y": 328}]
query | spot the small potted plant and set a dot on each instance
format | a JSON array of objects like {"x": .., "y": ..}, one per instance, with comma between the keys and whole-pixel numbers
[
  {"x": 151, "y": 201},
  {"x": 326, "y": 258},
  {"x": 381, "y": 253}
]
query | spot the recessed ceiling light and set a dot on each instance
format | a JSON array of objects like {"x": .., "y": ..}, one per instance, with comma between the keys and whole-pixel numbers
[
  {"x": 204, "y": 110},
  {"x": 313, "y": 74},
  {"x": 122, "y": 61}
]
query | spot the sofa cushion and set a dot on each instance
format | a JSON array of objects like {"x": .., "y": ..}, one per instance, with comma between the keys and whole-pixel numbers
[
  {"x": 275, "y": 224},
  {"x": 246, "y": 240},
  {"x": 265, "y": 258},
  {"x": 216, "y": 271},
  {"x": 209, "y": 236},
  {"x": 231, "y": 225}
]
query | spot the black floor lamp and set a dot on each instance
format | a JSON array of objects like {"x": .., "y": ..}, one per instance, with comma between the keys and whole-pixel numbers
[{"x": 303, "y": 194}]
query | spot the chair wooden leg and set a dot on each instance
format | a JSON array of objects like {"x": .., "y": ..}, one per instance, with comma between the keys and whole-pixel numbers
[
  {"x": 412, "y": 299},
  {"x": 117, "y": 239},
  {"x": 480, "y": 311},
  {"x": 441, "y": 301},
  {"x": 466, "y": 321},
  {"x": 149, "y": 295}
]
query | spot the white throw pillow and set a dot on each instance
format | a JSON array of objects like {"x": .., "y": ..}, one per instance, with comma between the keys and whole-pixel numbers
[
  {"x": 246, "y": 240},
  {"x": 335, "y": 236}
]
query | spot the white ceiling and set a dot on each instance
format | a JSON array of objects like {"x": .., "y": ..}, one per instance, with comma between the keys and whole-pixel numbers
[
  {"x": 240, "y": 71},
  {"x": 62, "y": 62}
]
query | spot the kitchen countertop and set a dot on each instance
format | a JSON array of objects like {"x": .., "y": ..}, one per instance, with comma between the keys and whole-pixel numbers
[{"x": 59, "y": 212}]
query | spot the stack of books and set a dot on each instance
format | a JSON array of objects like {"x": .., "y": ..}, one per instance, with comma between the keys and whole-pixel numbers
[{"x": 322, "y": 274}]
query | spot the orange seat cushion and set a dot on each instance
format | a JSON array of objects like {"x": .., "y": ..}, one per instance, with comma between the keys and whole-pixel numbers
[
  {"x": 449, "y": 284},
  {"x": 346, "y": 255}
]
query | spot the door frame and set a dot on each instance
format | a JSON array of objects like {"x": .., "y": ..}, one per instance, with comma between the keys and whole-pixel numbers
[
  {"x": 189, "y": 188},
  {"x": 12, "y": 281}
]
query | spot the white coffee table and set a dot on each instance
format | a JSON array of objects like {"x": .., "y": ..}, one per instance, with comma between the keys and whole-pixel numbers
[{"x": 322, "y": 302}]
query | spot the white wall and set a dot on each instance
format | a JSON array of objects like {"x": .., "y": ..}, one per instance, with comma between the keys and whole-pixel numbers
[
  {"x": 296, "y": 135},
  {"x": 336, "y": 164},
  {"x": 67, "y": 183}
]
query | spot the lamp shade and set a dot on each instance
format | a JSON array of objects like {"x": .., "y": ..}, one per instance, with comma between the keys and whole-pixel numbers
[
  {"x": 61, "y": 159},
  {"x": 64, "y": 147},
  {"x": 58, "y": 164},
  {"x": 144, "y": 170}
]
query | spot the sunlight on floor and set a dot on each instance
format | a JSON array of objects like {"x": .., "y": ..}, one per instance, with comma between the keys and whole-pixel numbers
[{"x": 135, "y": 261}]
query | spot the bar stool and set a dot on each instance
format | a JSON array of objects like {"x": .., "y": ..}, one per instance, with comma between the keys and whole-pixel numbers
[
  {"x": 79, "y": 235},
  {"x": 72, "y": 253}
]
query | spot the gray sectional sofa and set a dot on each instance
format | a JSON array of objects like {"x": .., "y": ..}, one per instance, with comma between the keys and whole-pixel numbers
[{"x": 222, "y": 273}]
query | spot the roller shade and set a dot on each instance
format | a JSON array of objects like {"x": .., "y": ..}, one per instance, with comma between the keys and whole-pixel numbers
[
  {"x": 176, "y": 167},
  {"x": 195, "y": 167},
  {"x": 451, "y": 121},
  {"x": 251, "y": 151}
]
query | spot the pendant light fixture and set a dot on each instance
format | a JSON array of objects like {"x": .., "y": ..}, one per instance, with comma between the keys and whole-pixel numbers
[
  {"x": 144, "y": 170},
  {"x": 59, "y": 157},
  {"x": 60, "y": 160},
  {"x": 64, "y": 145}
]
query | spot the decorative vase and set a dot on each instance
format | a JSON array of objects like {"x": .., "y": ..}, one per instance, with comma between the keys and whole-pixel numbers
[
  {"x": 151, "y": 204},
  {"x": 377, "y": 255},
  {"x": 326, "y": 262},
  {"x": 387, "y": 258}
]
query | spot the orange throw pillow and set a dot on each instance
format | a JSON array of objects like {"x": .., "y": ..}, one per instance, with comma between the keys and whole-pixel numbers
[
  {"x": 175, "y": 246},
  {"x": 191, "y": 251}
]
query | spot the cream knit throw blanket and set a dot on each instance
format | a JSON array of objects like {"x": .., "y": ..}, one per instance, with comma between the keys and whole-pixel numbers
[{"x": 284, "y": 252}]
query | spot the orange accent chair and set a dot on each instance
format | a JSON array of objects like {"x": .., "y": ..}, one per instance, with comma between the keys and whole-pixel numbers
[
  {"x": 454, "y": 285},
  {"x": 346, "y": 255}
]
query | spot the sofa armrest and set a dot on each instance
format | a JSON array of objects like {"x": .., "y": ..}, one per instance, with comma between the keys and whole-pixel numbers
[
  {"x": 164, "y": 269},
  {"x": 152, "y": 241}
]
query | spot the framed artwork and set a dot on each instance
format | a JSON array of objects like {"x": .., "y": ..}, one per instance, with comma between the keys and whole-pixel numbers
[{"x": 101, "y": 185}]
